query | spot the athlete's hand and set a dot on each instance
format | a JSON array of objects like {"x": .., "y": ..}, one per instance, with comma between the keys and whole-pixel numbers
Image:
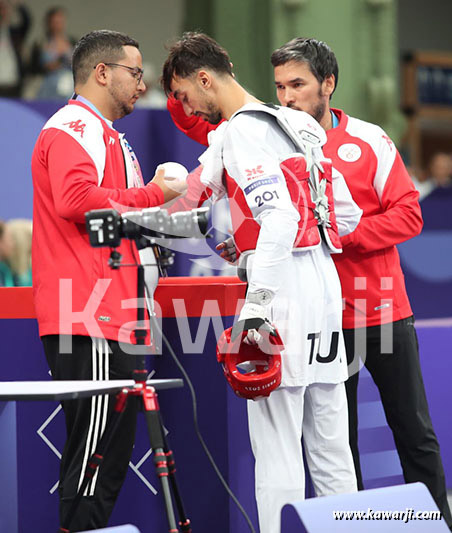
[
  {"x": 171, "y": 189},
  {"x": 253, "y": 312},
  {"x": 228, "y": 250}
]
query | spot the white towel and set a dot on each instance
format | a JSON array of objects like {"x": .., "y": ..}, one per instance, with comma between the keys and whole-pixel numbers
[{"x": 212, "y": 162}]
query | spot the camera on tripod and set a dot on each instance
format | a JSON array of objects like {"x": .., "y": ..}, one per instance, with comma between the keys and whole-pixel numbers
[{"x": 106, "y": 227}]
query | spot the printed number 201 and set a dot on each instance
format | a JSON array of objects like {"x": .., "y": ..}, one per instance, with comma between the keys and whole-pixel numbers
[{"x": 267, "y": 196}]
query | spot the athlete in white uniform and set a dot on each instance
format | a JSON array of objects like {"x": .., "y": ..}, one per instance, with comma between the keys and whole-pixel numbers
[
  {"x": 298, "y": 291},
  {"x": 307, "y": 310}
]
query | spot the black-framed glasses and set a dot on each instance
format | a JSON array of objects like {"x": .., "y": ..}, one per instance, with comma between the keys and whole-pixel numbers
[{"x": 137, "y": 72}]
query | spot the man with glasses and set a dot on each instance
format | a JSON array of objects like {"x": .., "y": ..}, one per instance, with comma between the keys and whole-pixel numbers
[
  {"x": 137, "y": 72},
  {"x": 80, "y": 162}
]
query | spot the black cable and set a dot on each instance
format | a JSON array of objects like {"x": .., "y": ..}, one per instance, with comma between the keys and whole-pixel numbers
[
  {"x": 198, "y": 432},
  {"x": 195, "y": 412}
]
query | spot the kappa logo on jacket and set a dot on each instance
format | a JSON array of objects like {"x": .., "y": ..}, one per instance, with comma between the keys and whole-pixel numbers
[
  {"x": 389, "y": 141},
  {"x": 77, "y": 126}
]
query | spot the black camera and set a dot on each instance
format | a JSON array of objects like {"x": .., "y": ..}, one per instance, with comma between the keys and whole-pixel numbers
[{"x": 106, "y": 227}]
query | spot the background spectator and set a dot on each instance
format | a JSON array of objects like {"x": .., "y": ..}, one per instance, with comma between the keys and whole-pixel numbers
[
  {"x": 52, "y": 57},
  {"x": 436, "y": 205},
  {"x": 14, "y": 25},
  {"x": 437, "y": 175},
  {"x": 6, "y": 246},
  {"x": 440, "y": 170},
  {"x": 20, "y": 231},
  {"x": 421, "y": 181}
]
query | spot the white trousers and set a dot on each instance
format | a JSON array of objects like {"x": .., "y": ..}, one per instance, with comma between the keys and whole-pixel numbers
[{"x": 276, "y": 425}]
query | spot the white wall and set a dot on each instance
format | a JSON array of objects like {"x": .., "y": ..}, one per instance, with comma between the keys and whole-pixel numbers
[{"x": 151, "y": 22}]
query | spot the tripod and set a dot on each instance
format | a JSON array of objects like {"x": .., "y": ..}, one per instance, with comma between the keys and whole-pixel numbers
[{"x": 163, "y": 456}]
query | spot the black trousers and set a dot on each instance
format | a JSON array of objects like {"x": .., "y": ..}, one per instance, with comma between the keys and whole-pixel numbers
[
  {"x": 85, "y": 420},
  {"x": 398, "y": 376}
]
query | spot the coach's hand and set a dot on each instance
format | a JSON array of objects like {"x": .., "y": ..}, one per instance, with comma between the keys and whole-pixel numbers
[{"x": 171, "y": 189}]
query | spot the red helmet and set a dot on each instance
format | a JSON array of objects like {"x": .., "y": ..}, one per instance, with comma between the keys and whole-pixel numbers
[{"x": 265, "y": 373}]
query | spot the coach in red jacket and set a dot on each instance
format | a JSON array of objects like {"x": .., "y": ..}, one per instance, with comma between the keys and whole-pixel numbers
[
  {"x": 80, "y": 162},
  {"x": 378, "y": 321}
]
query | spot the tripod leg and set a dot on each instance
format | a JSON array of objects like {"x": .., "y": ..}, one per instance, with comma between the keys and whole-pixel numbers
[
  {"x": 161, "y": 468},
  {"x": 157, "y": 444},
  {"x": 184, "y": 522},
  {"x": 97, "y": 457}
]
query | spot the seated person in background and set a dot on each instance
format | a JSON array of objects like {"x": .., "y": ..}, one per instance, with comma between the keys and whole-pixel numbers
[
  {"x": 20, "y": 231},
  {"x": 6, "y": 245},
  {"x": 14, "y": 26},
  {"x": 440, "y": 170},
  {"x": 436, "y": 205},
  {"x": 437, "y": 177},
  {"x": 52, "y": 57},
  {"x": 421, "y": 181}
]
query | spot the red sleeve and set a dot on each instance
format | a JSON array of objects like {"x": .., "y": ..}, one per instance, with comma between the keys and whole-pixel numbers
[
  {"x": 194, "y": 127},
  {"x": 400, "y": 220},
  {"x": 74, "y": 181},
  {"x": 197, "y": 193}
]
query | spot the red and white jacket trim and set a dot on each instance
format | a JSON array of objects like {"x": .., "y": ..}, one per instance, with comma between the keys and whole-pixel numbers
[
  {"x": 369, "y": 268},
  {"x": 78, "y": 164}
]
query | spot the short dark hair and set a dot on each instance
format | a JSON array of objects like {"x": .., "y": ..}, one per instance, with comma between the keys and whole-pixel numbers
[
  {"x": 317, "y": 54},
  {"x": 100, "y": 46},
  {"x": 194, "y": 51}
]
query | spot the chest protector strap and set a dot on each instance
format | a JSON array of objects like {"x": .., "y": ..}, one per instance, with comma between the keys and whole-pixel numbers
[{"x": 309, "y": 181}]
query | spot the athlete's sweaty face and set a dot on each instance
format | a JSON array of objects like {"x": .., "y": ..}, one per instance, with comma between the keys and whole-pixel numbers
[
  {"x": 298, "y": 88},
  {"x": 195, "y": 100},
  {"x": 125, "y": 89}
]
